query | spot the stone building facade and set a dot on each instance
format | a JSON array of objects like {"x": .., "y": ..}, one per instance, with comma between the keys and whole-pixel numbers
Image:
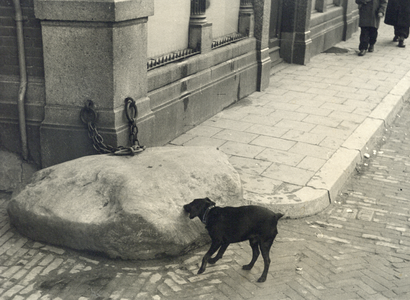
[{"x": 106, "y": 52}]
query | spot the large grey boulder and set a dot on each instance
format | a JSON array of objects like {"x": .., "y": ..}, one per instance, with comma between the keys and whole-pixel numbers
[{"x": 126, "y": 207}]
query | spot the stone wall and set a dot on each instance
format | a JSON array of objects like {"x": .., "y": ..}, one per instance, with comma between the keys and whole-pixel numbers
[
  {"x": 313, "y": 26},
  {"x": 33, "y": 43},
  {"x": 187, "y": 93},
  {"x": 9, "y": 78},
  {"x": 85, "y": 50},
  {"x": 332, "y": 24}
]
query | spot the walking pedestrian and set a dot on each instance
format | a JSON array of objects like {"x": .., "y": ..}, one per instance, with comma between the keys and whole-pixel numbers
[
  {"x": 370, "y": 12},
  {"x": 398, "y": 15}
]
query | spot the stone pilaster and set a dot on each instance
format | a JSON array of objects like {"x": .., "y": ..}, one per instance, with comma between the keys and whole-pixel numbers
[
  {"x": 351, "y": 19},
  {"x": 262, "y": 20},
  {"x": 92, "y": 50},
  {"x": 296, "y": 40}
]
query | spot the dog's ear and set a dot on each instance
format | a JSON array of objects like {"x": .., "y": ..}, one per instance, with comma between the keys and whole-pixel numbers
[{"x": 209, "y": 201}]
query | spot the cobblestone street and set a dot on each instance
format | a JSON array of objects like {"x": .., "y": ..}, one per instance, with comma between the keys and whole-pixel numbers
[
  {"x": 277, "y": 90},
  {"x": 358, "y": 248}
]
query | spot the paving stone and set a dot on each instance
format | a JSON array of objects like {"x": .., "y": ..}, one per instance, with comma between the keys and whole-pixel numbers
[
  {"x": 281, "y": 157},
  {"x": 237, "y": 136},
  {"x": 288, "y": 174},
  {"x": 239, "y": 149},
  {"x": 274, "y": 143},
  {"x": 357, "y": 248}
]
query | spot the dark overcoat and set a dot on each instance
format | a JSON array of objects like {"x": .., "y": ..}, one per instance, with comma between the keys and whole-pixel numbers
[
  {"x": 369, "y": 10},
  {"x": 398, "y": 13}
]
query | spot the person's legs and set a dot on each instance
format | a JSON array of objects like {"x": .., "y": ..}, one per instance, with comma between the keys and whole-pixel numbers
[
  {"x": 396, "y": 34},
  {"x": 402, "y": 33},
  {"x": 372, "y": 38},
  {"x": 406, "y": 31},
  {"x": 364, "y": 40}
]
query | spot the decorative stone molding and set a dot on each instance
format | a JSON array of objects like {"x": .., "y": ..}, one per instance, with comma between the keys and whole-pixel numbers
[
  {"x": 198, "y": 10},
  {"x": 93, "y": 10}
]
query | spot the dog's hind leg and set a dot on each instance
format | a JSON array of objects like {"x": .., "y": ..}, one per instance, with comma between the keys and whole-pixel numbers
[
  {"x": 255, "y": 254},
  {"x": 219, "y": 255},
  {"x": 265, "y": 249},
  {"x": 214, "y": 246}
]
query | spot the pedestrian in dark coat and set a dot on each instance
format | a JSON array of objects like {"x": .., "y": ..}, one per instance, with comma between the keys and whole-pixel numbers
[
  {"x": 370, "y": 12},
  {"x": 398, "y": 15}
]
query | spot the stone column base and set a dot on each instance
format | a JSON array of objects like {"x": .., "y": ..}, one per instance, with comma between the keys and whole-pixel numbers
[{"x": 93, "y": 50}]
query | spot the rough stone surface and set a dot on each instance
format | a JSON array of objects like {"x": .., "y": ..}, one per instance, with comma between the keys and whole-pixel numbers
[
  {"x": 14, "y": 172},
  {"x": 127, "y": 207}
]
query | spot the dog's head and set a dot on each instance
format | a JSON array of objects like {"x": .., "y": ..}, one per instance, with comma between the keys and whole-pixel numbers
[{"x": 198, "y": 207}]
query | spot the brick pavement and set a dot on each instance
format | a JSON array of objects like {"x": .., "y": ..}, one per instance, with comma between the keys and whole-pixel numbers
[
  {"x": 300, "y": 138},
  {"x": 357, "y": 248}
]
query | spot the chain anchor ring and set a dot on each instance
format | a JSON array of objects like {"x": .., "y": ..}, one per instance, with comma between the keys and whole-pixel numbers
[{"x": 88, "y": 116}]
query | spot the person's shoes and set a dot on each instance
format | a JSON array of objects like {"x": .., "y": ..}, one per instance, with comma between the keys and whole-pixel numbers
[
  {"x": 401, "y": 43},
  {"x": 362, "y": 52},
  {"x": 371, "y": 48},
  {"x": 396, "y": 38}
]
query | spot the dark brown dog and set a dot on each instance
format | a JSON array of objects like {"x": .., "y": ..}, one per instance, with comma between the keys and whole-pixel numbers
[{"x": 227, "y": 225}]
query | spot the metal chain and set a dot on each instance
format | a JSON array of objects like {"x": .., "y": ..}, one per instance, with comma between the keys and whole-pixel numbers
[{"x": 89, "y": 116}]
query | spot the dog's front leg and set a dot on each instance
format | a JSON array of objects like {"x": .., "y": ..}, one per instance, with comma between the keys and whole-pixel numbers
[
  {"x": 214, "y": 246},
  {"x": 220, "y": 254}
]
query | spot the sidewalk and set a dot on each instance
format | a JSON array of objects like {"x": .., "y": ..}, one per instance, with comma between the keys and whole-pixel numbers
[{"x": 296, "y": 143}]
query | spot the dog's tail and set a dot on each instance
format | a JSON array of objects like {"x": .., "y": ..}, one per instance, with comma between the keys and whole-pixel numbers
[{"x": 278, "y": 216}]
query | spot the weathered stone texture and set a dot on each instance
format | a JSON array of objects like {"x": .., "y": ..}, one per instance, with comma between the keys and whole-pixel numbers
[
  {"x": 127, "y": 207},
  {"x": 14, "y": 172}
]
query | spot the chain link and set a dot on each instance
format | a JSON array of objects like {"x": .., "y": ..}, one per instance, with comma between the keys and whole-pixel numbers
[{"x": 88, "y": 116}]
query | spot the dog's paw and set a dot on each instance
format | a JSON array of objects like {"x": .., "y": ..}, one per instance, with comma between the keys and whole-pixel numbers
[
  {"x": 247, "y": 267},
  {"x": 262, "y": 279},
  {"x": 200, "y": 271}
]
